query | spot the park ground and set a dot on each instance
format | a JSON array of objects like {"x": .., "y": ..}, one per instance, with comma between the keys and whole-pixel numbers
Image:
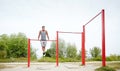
[{"x": 51, "y": 66}]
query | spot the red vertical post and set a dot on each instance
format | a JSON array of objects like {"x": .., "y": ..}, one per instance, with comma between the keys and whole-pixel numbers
[
  {"x": 83, "y": 46},
  {"x": 82, "y": 49},
  {"x": 56, "y": 48},
  {"x": 28, "y": 52},
  {"x": 103, "y": 39}
]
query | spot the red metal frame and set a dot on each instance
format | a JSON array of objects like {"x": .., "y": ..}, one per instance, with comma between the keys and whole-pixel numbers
[
  {"x": 103, "y": 39},
  {"x": 83, "y": 41},
  {"x": 29, "y": 40},
  {"x": 57, "y": 49},
  {"x": 39, "y": 40},
  {"x": 57, "y": 43},
  {"x": 28, "y": 52},
  {"x": 70, "y": 32},
  {"x": 83, "y": 46}
]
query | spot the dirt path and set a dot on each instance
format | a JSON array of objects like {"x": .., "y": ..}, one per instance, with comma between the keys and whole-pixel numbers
[{"x": 49, "y": 67}]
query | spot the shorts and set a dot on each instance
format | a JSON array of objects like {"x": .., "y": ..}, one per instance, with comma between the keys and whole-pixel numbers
[{"x": 43, "y": 43}]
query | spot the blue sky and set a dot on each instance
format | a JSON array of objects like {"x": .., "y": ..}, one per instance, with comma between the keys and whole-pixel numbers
[{"x": 28, "y": 16}]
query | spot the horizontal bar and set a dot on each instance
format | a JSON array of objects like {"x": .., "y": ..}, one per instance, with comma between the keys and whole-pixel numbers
[
  {"x": 40, "y": 40},
  {"x": 70, "y": 32},
  {"x": 92, "y": 18}
]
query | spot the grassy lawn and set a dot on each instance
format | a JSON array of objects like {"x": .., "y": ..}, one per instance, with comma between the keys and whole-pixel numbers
[
  {"x": 106, "y": 68},
  {"x": 111, "y": 66},
  {"x": 115, "y": 65},
  {"x": 14, "y": 60},
  {"x": 48, "y": 59}
]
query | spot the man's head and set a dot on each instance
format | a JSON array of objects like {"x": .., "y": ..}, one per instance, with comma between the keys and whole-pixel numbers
[{"x": 43, "y": 27}]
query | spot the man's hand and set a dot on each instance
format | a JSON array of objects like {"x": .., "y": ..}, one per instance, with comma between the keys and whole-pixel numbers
[
  {"x": 38, "y": 38},
  {"x": 39, "y": 35}
]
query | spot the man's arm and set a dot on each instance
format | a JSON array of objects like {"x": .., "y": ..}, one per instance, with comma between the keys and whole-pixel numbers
[
  {"x": 39, "y": 35},
  {"x": 47, "y": 35}
]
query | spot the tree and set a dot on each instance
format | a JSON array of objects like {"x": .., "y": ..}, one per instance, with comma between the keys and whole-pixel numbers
[
  {"x": 71, "y": 51},
  {"x": 14, "y": 46},
  {"x": 62, "y": 48},
  {"x": 79, "y": 55},
  {"x": 3, "y": 52},
  {"x": 52, "y": 51},
  {"x": 95, "y": 52},
  {"x": 17, "y": 45},
  {"x": 3, "y": 46}
]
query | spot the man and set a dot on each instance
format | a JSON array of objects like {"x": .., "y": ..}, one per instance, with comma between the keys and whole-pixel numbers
[{"x": 42, "y": 35}]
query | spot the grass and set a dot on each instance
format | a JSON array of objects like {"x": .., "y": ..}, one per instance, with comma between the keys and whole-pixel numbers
[
  {"x": 49, "y": 59},
  {"x": 14, "y": 60},
  {"x": 112, "y": 66},
  {"x": 106, "y": 68}
]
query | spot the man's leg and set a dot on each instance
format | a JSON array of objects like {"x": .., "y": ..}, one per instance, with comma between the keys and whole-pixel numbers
[
  {"x": 43, "y": 44},
  {"x": 43, "y": 49}
]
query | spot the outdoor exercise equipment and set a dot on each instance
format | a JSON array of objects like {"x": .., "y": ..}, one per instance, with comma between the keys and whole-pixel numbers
[{"x": 102, "y": 13}]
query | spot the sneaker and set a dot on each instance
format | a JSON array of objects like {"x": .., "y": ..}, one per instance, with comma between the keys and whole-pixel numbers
[{"x": 43, "y": 53}]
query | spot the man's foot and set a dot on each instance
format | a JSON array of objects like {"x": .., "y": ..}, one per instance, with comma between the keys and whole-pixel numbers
[{"x": 43, "y": 53}]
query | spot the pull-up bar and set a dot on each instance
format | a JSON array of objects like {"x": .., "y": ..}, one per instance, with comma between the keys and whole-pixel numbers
[
  {"x": 70, "y": 32},
  {"x": 83, "y": 41},
  {"x": 57, "y": 45},
  {"x": 93, "y": 18},
  {"x": 102, "y": 13},
  {"x": 57, "y": 42},
  {"x": 29, "y": 48},
  {"x": 40, "y": 40}
]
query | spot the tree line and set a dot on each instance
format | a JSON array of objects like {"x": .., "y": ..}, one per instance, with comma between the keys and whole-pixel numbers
[
  {"x": 68, "y": 50},
  {"x": 65, "y": 50},
  {"x": 15, "y": 46}
]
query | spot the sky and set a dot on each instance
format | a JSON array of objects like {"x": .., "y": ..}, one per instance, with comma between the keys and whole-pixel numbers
[{"x": 27, "y": 16}]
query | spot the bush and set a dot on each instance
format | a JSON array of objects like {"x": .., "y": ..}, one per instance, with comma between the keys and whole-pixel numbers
[
  {"x": 106, "y": 68},
  {"x": 113, "y": 57},
  {"x": 115, "y": 65},
  {"x": 95, "y": 52},
  {"x": 3, "y": 54},
  {"x": 99, "y": 58},
  {"x": 3, "y": 47},
  {"x": 71, "y": 51},
  {"x": 14, "y": 45}
]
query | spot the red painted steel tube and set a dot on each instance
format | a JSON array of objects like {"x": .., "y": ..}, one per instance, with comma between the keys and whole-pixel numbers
[
  {"x": 103, "y": 39},
  {"x": 82, "y": 49},
  {"x": 28, "y": 52},
  {"x": 40, "y": 40},
  {"x": 92, "y": 18},
  {"x": 57, "y": 48},
  {"x": 83, "y": 46},
  {"x": 70, "y": 32}
]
